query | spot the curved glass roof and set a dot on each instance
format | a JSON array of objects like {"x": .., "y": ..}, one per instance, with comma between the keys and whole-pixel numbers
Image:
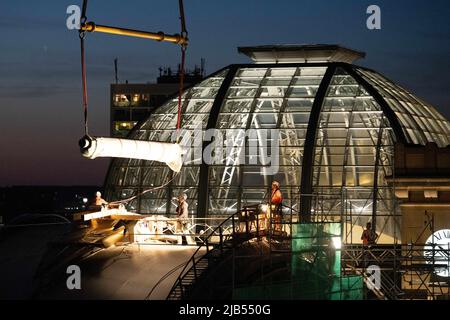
[
  {"x": 337, "y": 125},
  {"x": 420, "y": 122}
]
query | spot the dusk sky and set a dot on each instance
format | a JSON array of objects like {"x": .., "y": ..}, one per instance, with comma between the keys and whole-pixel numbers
[{"x": 40, "y": 82}]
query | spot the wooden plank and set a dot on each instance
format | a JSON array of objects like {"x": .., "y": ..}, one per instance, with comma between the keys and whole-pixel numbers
[
  {"x": 115, "y": 214},
  {"x": 96, "y": 215},
  {"x": 129, "y": 216}
]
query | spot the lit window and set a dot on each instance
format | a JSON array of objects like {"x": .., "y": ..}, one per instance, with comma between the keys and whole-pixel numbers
[
  {"x": 121, "y": 100},
  {"x": 124, "y": 125}
]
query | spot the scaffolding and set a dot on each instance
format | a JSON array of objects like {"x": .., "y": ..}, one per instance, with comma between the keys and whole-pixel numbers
[{"x": 311, "y": 261}]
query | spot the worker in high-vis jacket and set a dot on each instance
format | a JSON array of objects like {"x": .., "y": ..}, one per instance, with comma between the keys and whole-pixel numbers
[
  {"x": 369, "y": 236},
  {"x": 183, "y": 224},
  {"x": 276, "y": 206}
]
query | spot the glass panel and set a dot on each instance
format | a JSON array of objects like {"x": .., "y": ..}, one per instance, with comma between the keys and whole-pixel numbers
[
  {"x": 138, "y": 176},
  {"x": 417, "y": 118},
  {"x": 346, "y": 149}
]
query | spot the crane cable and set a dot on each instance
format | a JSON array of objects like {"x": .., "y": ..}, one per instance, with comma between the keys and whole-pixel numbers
[
  {"x": 123, "y": 201},
  {"x": 183, "y": 34},
  {"x": 82, "y": 34}
]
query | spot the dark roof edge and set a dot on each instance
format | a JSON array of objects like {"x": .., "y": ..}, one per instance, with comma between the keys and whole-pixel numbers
[{"x": 289, "y": 47}]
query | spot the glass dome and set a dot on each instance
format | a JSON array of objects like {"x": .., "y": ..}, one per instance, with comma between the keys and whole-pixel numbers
[{"x": 337, "y": 126}]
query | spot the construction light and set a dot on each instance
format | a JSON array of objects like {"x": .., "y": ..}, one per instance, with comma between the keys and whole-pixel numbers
[
  {"x": 264, "y": 208},
  {"x": 168, "y": 153},
  {"x": 337, "y": 243}
]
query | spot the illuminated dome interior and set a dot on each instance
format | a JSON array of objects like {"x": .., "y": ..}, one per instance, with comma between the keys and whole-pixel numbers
[{"x": 337, "y": 124}]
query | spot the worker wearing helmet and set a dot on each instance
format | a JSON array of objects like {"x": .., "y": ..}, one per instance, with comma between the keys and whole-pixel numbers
[
  {"x": 276, "y": 197},
  {"x": 99, "y": 201},
  {"x": 183, "y": 225},
  {"x": 276, "y": 200}
]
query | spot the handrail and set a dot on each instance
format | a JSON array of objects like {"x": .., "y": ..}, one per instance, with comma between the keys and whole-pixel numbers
[
  {"x": 218, "y": 229},
  {"x": 412, "y": 267},
  {"x": 204, "y": 243},
  {"x": 381, "y": 254},
  {"x": 164, "y": 277}
]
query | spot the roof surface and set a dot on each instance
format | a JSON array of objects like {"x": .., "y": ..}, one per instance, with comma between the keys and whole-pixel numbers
[{"x": 301, "y": 53}]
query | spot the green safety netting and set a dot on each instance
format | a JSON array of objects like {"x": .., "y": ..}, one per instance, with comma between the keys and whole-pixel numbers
[{"x": 315, "y": 269}]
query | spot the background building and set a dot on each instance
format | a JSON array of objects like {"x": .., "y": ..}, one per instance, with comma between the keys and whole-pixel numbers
[{"x": 133, "y": 102}]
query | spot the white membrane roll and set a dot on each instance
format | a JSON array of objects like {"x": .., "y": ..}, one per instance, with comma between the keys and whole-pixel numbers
[{"x": 169, "y": 153}]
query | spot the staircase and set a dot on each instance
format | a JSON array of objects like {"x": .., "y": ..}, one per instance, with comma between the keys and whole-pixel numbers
[{"x": 244, "y": 226}]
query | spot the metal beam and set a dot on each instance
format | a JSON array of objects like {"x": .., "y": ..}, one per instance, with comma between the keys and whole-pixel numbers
[
  {"x": 306, "y": 187},
  {"x": 158, "y": 36},
  {"x": 108, "y": 185},
  {"x": 238, "y": 146},
  {"x": 375, "y": 176},
  {"x": 388, "y": 112},
  {"x": 203, "y": 192}
]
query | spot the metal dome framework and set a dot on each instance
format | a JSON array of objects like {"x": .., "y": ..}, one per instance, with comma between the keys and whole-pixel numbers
[{"x": 338, "y": 124}]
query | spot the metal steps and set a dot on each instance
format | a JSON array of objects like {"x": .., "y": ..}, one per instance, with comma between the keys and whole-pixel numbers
[{"x": 198, "y": 266}]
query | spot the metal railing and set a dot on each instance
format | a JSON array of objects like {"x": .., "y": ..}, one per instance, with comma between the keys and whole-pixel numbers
[
  {"x": 162, "y": 230},
  {"x": 245, "y": 225},
  {"x": 405, "y": 268}
]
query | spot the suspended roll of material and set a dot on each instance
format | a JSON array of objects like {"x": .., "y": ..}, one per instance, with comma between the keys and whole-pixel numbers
[{"x": 169, "y": 153}]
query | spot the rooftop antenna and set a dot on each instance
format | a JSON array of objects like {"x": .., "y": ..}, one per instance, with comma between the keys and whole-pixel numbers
[
  {"x": 202, "y": 67},
  {"x": 115, "y": 71}
]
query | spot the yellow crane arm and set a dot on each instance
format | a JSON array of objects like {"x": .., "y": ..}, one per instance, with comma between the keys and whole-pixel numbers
[{"x": 158, "y": 36}]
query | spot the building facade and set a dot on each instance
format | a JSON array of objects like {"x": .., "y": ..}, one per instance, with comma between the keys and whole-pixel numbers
[{"x": 133, "y": 102}]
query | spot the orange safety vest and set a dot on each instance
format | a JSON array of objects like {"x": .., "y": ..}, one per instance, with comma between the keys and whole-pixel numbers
[{"x": 276, "y": 198}]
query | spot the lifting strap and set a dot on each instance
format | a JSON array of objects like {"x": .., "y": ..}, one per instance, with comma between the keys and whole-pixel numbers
[
  {"x": 82, "y": 34},
  {"x": 183, "y": 59}
]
